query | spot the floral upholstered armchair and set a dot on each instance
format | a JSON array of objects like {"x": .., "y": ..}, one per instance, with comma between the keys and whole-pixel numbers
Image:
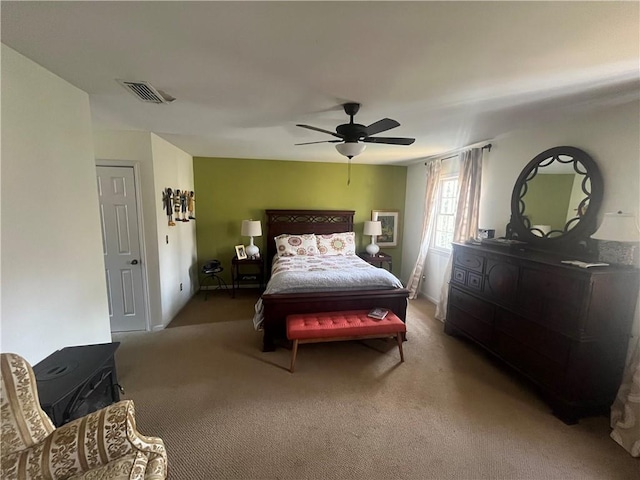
[{"x": 102, "y": 445}]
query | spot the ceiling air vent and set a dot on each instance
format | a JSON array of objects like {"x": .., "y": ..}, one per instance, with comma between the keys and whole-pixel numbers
[{"x": 145, "y": 92}]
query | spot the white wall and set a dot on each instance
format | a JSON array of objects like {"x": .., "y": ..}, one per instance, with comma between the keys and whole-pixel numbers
[
  {"x": 160, "y": 165},
  {"x": 177, "y": 259},
  {"x": 611, "y": 137},
  {"x": 413, "y": 217},
  {"x": 436, "y": 261},
  {"x": 53, "y": 281}
]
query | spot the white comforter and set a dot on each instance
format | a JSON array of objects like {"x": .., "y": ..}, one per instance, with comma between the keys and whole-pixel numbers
[{"x": 323, "y": 273}]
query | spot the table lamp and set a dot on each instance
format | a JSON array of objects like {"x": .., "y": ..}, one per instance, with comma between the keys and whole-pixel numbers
[
  {"x": 251, "y": 228},
  {"x": 373, "y": 228},
  {"x": 618, "y": 237}
]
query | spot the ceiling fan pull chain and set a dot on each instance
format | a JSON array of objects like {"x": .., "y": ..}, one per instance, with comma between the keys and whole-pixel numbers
[{"x": 349, "y": 172}]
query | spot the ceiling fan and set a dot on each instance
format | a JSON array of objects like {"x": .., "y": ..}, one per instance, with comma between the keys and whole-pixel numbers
[{"x": 351, "y": 134}]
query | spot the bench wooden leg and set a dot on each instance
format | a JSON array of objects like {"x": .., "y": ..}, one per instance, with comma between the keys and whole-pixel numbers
[
  {"x": 294, "y": 352},
  {"x": 399, "y": 338}
]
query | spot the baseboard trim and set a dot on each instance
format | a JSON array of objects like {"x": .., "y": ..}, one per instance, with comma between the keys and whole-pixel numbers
[
  {"x": 432, "y": 299},
  {"x": 244, "y": 285}
]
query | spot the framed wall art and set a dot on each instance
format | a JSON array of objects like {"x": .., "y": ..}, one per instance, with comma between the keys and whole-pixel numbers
[{"x": 389, "y": 221}]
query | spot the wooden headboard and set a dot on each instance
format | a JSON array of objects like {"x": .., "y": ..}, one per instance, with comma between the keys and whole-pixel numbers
[{"x": 304, "y": 221}]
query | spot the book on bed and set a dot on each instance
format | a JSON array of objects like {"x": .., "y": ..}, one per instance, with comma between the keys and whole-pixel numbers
[{"x": 378, "y": 313}]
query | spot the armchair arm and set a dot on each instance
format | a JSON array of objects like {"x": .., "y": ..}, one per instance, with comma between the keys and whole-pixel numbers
[{"x": 91, "y": 442}]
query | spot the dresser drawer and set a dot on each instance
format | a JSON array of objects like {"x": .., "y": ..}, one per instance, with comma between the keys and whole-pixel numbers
[
  {"x": 539, "y": 368},
  {"x": 459, "y": 275},
  {"x": 471, "y": 305},
  {"x": 468, "y": 260},
  {"x": 474, "y": 281},
  {"x": 479, "y": 330},
  {"x": 502, "y": 280},
  {"x": 552, "y": 300},
  {"x": 471, "y": 315},
  {"x": 542, "y": 340}
]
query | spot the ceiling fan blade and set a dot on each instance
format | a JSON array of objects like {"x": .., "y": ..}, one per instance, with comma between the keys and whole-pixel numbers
[
  {"x": 319, "y": 130},
  {"x": 389, "y": 140},
  {"x": 321, "y": 141},
  {"x": 381, "y": 126}
]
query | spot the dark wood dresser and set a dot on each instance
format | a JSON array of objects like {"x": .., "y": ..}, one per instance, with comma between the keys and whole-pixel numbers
[{"x": 565, "y": 328}]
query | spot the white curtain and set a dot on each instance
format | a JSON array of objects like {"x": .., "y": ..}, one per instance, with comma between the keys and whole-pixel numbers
[
  {"x": 433, "y": 175},
  {"x": 625, "y": 411},
  {"x": 467, "y": 210}
]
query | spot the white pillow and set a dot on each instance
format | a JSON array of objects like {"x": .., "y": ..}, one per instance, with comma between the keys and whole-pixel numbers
[
  {"x": 290, "y": 245},
  {"x": 343, "y": 243}
]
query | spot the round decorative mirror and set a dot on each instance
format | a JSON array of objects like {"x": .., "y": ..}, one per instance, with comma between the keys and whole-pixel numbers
[{"x": 556, "y": 199}]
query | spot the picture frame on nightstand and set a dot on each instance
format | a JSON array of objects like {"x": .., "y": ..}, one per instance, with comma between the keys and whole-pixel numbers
[{"x": 241, "y": 253}]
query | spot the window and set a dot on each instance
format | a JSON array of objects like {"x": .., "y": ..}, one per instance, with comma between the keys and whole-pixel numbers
[{"x": 445, "y": 213}]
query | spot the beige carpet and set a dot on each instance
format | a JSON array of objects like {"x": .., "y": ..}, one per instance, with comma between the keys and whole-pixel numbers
[{"x": 228, "y": 411}]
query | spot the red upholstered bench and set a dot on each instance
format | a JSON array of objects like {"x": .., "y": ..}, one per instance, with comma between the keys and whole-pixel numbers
[{"x": 335, "y": 326}]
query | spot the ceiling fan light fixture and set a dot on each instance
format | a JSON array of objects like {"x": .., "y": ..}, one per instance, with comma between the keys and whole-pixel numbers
[{"x": 350, "y": 149}]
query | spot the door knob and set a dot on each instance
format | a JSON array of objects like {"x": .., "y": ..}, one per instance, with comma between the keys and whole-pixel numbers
[{"x": 134, "y": 262}]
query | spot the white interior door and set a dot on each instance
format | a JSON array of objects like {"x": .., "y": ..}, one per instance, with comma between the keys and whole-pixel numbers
[{"x": 121, "y": 246}]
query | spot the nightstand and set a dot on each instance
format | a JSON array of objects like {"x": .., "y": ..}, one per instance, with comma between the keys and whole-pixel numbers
[
  {"x": 247, "y": 270},
  {"x": 378, "y": 260}
]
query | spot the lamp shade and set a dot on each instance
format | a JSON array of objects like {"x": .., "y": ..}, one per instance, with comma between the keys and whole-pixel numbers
[
  {"x": 618, "y": 227},
  {"x": 372, "y": 228},
  {"x": 251, "y": 228},
  {"x": 350, "y": 149}
]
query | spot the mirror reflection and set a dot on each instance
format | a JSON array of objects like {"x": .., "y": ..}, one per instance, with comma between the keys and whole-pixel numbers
[{"x": 555, "y": 196}]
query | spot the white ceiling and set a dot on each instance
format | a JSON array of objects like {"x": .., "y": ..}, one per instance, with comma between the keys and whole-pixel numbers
[{"x": 244, "y": 73}]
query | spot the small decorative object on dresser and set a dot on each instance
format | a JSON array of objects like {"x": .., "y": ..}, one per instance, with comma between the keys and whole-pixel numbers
[
  {"x": 502, "y": 243},
  {"x": 486, "y": 233}
]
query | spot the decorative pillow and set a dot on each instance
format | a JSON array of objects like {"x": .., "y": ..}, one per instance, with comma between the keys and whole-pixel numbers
[
  {"x": 337, "y": 244},
  {"x": 289, "y": 245}
]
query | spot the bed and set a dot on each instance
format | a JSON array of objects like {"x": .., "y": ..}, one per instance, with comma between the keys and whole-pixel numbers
[{"x": 274, "y": 307}]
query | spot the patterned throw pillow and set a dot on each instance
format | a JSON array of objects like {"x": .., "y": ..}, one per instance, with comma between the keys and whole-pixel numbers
[
  {"x": 337, "y": 244},
  {"x": 289, "y": 245}
]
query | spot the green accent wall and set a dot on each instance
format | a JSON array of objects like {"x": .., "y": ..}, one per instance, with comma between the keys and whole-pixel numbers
[
  {"x": 229, "y": 190},
  {"x": 547, "y": 199}
]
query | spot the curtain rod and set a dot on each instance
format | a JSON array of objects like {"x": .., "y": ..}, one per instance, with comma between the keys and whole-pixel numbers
[{"x": 487, "y": 146}]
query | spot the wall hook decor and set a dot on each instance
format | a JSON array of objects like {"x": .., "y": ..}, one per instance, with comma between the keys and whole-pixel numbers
[
  {"x": 179, "y": 205},
  {"x": 167, "y": 200},
  {"x": 191, "y": 205}
]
